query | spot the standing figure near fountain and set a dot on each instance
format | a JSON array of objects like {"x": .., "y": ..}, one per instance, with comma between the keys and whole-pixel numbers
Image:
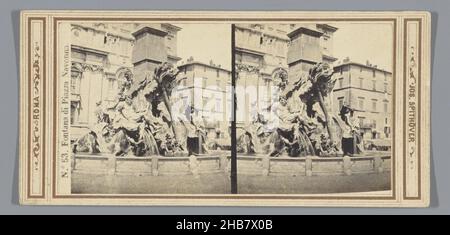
[
  {"x": 196, "y": 135},
  {"x": 350, "y": 137}
]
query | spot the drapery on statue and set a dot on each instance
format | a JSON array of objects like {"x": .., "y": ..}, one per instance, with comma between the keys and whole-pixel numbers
[
  {"x": 196, "y": 142},
  {"x": 127, "y": 126},
  {"x": 291, "y": 125}
]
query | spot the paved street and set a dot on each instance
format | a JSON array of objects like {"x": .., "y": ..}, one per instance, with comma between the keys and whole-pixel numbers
[
  {"x": 314, "y": 184},
  {"x": 220, "y": 184},
  {"x": 207, "y": 184}
]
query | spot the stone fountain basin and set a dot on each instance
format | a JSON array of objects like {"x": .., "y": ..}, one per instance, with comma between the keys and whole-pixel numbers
[{"x": 219, "y": 162}]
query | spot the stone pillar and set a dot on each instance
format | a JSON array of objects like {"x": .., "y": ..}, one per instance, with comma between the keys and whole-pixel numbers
[
  {"x": 378, "y": 164},
  {"x": 149, "y": 50},
  {"x": 74, "y": 162},
  {"x": 223, "y": 162},
  {"x": 347, "y": 165},
  {"x": 193, "y": 165},
  {"x": 155, "y": 166},
  {"x": 308, "y": 166},
  {"x": 266, "y": 165},
  {"x": 111, "y": 165}
]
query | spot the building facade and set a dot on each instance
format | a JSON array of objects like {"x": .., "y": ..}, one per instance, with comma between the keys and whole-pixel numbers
[
  {"x": 260, "y": 51},
  {"x": 207, "y": 89},
  {"x": 367, "y": 89}
]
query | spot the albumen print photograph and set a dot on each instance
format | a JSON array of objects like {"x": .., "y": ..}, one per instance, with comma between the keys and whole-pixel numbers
[
  {"x": 151, "y": 108},
  {"x": 154, "y": 99},
  {"x": 314, "y": 107},
  {"x": 225, "y": 108}
]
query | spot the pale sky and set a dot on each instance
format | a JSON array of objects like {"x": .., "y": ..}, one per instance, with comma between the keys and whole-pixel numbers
[
  {"x": 365, "y": 41},
  {"x": 358, "y": 41},
  {"x": 205, "y": 42}
]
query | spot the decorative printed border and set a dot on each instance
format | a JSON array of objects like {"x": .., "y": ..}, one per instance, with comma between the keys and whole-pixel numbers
[
  {"x": 231, "y": 196},
  {"x": 334, "y": 200},
  {"x": 36, "y": 50},
  {"x": 412, "y": 53}
]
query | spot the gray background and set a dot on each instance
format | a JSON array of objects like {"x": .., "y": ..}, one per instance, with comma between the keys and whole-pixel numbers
[{"x": 9, "y": 96}]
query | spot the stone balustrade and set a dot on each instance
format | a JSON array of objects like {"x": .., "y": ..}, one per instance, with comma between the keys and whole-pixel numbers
[
  {"x": 153, "y": 165},
  {"x": 220, "y": 163},
  {"x": 313, "y": 165}
]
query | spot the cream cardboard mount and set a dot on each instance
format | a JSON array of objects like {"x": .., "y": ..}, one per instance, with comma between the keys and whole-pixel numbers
[{"x": 88, "y": 103}]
